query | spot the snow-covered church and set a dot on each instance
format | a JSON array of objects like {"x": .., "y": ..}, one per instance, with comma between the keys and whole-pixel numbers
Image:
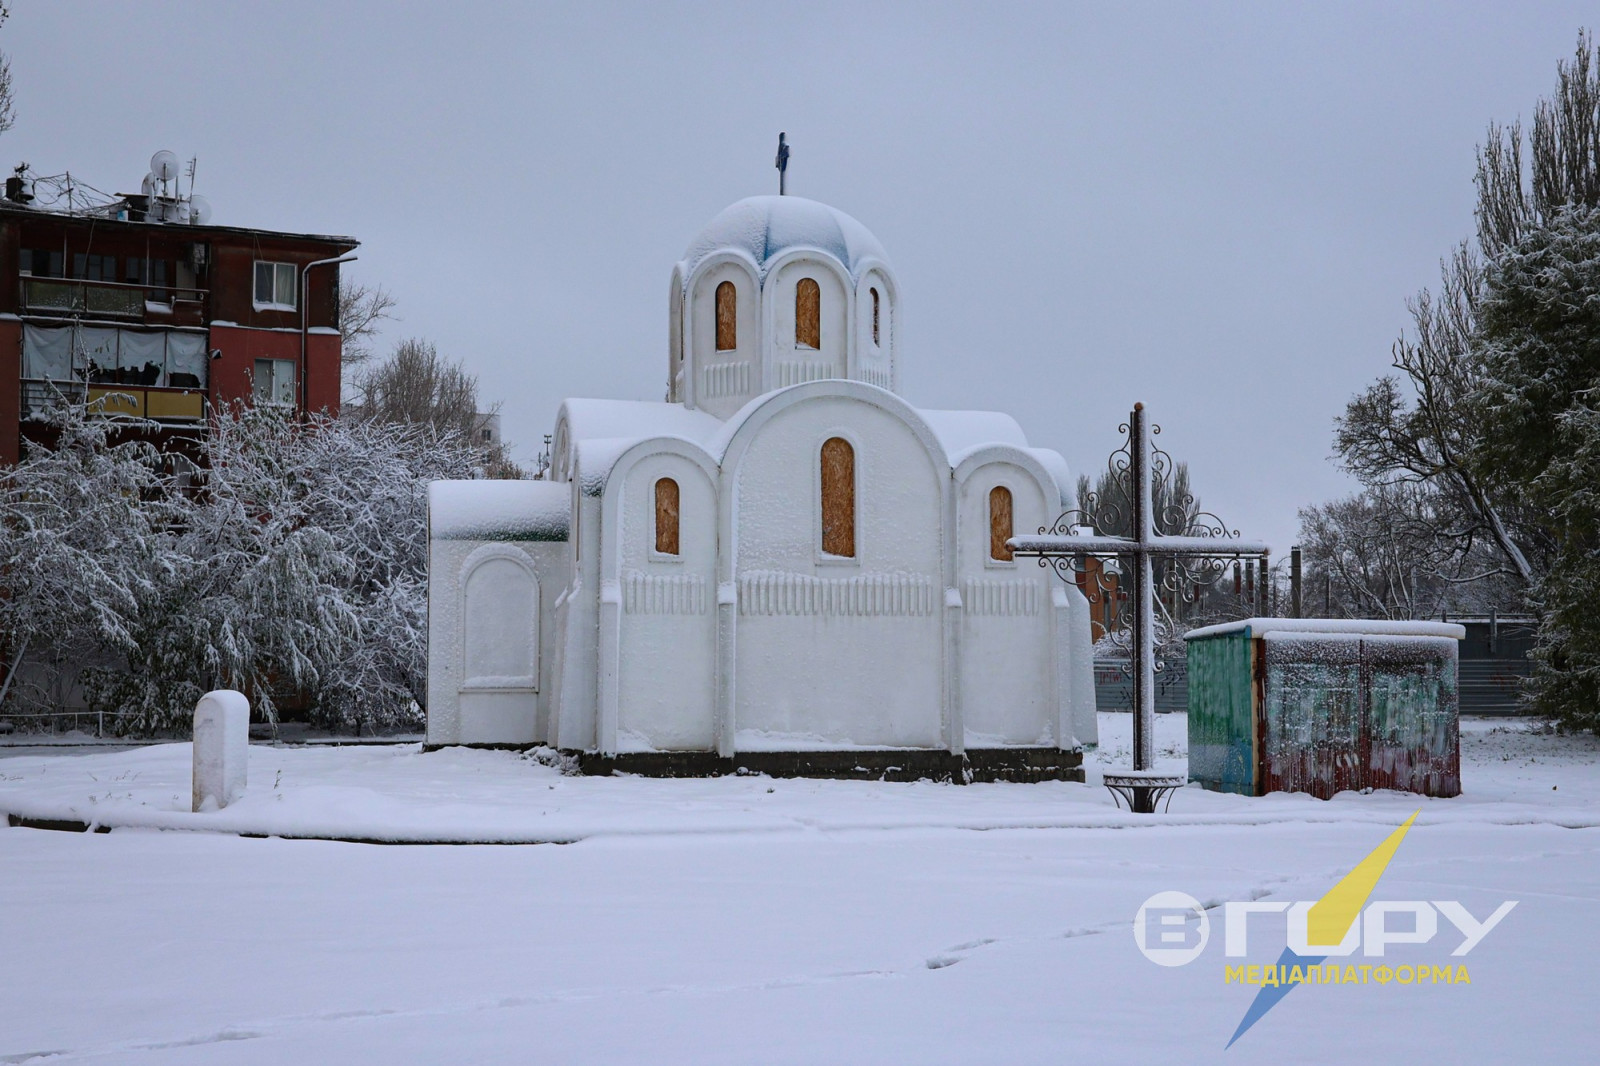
[{"x": 782, "y": 568}]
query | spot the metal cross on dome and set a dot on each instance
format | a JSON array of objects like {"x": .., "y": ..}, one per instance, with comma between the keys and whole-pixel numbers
[{"x": 1197, "y": 558}]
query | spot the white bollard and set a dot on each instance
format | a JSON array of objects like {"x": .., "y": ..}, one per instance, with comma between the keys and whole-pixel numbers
[{"x": 221, "y": 748}]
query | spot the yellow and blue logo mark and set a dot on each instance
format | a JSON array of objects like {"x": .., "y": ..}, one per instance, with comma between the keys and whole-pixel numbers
[{"x": 1329, "y": 921}]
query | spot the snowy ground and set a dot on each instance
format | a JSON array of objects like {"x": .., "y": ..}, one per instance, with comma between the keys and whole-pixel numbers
[{"x": 751, "y": 920}]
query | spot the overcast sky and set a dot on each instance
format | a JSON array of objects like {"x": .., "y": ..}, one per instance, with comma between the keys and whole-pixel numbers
[{"x": 1219, "y": 210}]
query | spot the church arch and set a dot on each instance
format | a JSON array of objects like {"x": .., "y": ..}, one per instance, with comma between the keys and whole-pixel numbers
[
  {"x": 499, "y": 620},
  {"x": 838, "y": 491},
  {"x": 777, "y": 589},
  {"x": 727, "y": 316},
  {"x": 675, "y": 336},
  {"x": 656, "y": 683},
  {"x": 874, "y": 359},
  {"x": 808, "y": 314}
]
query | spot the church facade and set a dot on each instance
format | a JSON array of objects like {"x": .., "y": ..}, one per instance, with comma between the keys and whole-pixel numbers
[{"x": 784, "y": 567}]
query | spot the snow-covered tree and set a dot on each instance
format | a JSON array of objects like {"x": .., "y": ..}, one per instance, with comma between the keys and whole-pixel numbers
[
  {"x": 418, "y": 386},
  {"x": 1418, "y": 431},
  {"x": 8, "y": 110},
  {"x": 82, "y": 544},
  {"x": 1540, "y": 415},
  {"x": 1388, "y": 552},
  {"x": 300, "y": 567},
  {"x": 361, "y": 309},
  {"x": 293, "y": 564}
]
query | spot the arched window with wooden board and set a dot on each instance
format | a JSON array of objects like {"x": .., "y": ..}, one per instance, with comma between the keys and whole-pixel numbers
[
  {"x": 667, "y": 516},
  {"x": 1000, "y": 524},
  {"x": 808, "y": 314},
  {"x": 838, "y": 498},
  {"x": 875, "y": 340},
  {"x": 727, "y": 317}
]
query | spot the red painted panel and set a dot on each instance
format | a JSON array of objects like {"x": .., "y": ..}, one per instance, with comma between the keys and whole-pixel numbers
[
  {"x": 322, "y": 381},
  {"x": 10, "y": 391},
  {"x": 231, "y": 374}
]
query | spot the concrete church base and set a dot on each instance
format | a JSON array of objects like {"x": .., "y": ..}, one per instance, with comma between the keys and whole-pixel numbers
[{"x": 900, "y": 764}]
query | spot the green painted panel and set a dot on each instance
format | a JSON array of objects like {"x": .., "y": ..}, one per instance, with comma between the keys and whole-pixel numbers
[
  {"x": 1221, "y": 715},
  {"x": 1311, "y": 732}
]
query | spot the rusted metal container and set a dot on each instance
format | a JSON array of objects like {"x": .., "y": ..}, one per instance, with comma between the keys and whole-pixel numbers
[{"x": 1324, "y": 705}]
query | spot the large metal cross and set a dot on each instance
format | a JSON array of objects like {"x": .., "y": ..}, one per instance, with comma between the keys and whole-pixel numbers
[{"x": 1065, "y": 547}]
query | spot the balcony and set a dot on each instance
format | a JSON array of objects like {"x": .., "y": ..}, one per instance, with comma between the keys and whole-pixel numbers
[
  {"x": 128, "y": 401},
  {"x": 72, "y": 298}
]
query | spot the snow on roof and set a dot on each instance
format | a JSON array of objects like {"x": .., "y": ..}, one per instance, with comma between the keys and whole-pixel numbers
[
  {"x": 1366, "y": 627},
  {"x": 499, "y": 510},
  {"x": 765, "y": 227},
  {"x": 962, "y": 431},
  {"x": 1058, "y": 468},
  {"x": 636, "y": 419},
  {"x": 601, "y": 430}
]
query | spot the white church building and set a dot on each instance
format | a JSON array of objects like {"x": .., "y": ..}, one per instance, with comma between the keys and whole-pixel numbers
[{"x": 784, "y": 567}]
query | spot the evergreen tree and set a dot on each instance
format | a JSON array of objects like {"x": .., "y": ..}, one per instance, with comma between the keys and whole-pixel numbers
[{"x": 1539, "y": 408}]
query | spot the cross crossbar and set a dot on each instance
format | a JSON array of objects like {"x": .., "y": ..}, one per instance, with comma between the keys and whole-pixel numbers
[{"x": 1144, "y": 548}]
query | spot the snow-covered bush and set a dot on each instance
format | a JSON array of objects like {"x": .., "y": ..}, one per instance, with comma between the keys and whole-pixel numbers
[
  {"x": 81, "y": 547},
  {"x": 295, "y": 563}
]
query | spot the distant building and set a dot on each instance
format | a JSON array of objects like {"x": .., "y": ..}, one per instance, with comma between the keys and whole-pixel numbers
[
  {"x": 141, "y": 304},
  {"x": 486, "y": 432},
  {"x": 1496, "y": 661}
]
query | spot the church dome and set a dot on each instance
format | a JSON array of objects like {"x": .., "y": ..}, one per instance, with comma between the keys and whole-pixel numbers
[{"x": 766, "y": 227}]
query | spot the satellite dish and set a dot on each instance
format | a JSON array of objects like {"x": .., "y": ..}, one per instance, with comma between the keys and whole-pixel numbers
[
  {"x": 199, "y": 210},
  {"x": 164, "y": 166},
  {"x": 148, "y": 186}
]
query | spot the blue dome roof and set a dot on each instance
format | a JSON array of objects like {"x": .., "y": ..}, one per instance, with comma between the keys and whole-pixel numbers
[{"x": 765, "y": 227}]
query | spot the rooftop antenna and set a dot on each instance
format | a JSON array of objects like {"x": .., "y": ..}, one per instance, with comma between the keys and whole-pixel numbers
[{"x": 782, "y": 163}]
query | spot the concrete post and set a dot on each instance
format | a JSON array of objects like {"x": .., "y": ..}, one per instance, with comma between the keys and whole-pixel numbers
[{"x": 221, "y": 748}]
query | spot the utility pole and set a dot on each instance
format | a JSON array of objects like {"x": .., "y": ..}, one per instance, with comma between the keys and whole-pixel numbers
[{"x": 1294, "y": 583}]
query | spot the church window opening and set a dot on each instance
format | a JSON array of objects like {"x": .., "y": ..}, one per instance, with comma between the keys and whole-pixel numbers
[
  {"x": 727, "y": 317},
  {"x": 808, "y": 314},
  {"x": 838, "y": 498},
  {"x": 667, "y": 516},
  {"x": 1000, "y": 524},
  {"x": 875, "y": 340}
]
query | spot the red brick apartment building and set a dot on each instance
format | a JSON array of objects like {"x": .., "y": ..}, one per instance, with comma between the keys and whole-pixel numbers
[{"x": 163, "y": 320}]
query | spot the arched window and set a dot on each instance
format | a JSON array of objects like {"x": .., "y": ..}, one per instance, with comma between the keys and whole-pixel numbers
[
  {"x": 838, "y": 497},
  {"x": 667, "y": 516},
  {"x": 875, "y": 340},
  {"x": 727, "y": 317},
  {"x": 1000, "y": 524},
  {"x": 808, "y": 314}
]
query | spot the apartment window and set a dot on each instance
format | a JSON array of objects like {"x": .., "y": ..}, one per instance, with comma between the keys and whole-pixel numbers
[
  {"x": 274, "y": 381},
  {"x": 40, "y": 263},
  {"x": 488, "y": 435},
  {"x": 275, "y": 286},
  {"x": 94, "y": 267}
]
